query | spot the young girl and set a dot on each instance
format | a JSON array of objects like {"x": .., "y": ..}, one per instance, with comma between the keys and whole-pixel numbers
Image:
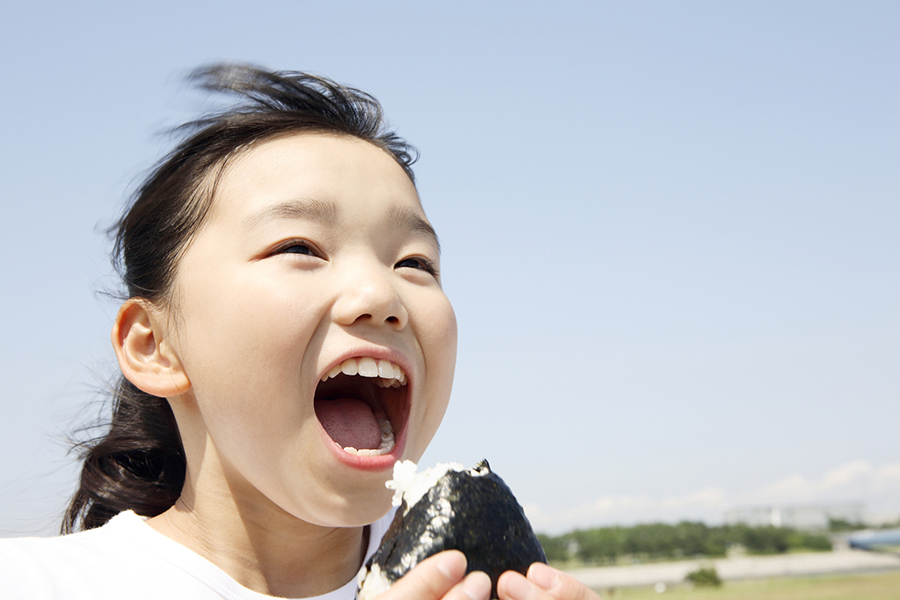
[{"x": 285, "y": 339}]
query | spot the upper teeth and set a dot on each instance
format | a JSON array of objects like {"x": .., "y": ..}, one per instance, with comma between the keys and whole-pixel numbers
[{"x": 386, "y": 373}]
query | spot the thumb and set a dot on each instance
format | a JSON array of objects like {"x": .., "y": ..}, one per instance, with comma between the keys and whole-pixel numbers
[{"x": 431, "y": 579}]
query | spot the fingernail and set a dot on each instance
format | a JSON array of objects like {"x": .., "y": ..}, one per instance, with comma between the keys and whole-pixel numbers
[
  {"x": 544, "y": 576},
  {"x": 477, "y": 586},
  {"x": 517, "y": 587}
]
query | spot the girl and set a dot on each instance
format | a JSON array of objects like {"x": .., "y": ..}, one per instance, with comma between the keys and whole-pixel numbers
[{"x": 285, "y": 339}]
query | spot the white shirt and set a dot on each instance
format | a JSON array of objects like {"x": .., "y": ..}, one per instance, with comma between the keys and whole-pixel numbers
[{"x": 127, "y": 559}]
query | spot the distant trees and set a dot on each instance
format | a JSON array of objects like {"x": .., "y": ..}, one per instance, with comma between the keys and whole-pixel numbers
[
  {"x": 835, "y": 524},
  {"x": 809, "y": 541},
  {"x": 664, "y": 541},
  {"x": 556, "y": 548}
]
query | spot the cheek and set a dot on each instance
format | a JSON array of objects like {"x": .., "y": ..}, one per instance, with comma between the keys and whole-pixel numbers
[
  {"x": 232, "y": 315},
  {"x": 245, "y": 350},
  {"x": 246, "y": 364},
  {"x": 441, "y": 333}
]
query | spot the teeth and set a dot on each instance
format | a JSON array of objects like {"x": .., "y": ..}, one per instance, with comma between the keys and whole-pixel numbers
[
  {"x": 367, "y": 367},
  {"x": 386, "y": 369},
  {"x": 386, "y": 373}
]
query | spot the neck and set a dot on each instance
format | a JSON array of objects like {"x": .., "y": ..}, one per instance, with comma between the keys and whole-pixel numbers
[{"x": 264, "y": 548}]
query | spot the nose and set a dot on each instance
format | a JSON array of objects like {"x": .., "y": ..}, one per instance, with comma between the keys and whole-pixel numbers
[{"x": 368, "y": 295}]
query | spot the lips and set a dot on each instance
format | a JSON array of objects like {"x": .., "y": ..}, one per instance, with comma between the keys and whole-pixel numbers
[{"x": 361, "y": 403}]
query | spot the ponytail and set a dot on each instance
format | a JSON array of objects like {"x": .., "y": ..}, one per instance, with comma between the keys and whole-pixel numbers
[{"x": 139, "y": 465}]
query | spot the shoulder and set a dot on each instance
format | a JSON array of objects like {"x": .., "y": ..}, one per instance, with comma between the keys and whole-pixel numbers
[
  {"x": 113, "y": 561},
  {"x": 39, "y": 567},
  {"x": 125, "y": 559},
  {"x": 95, "y": 546}
]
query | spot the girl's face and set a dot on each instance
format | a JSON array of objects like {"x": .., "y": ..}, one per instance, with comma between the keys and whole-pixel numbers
[{"x": 316, "y": 254}]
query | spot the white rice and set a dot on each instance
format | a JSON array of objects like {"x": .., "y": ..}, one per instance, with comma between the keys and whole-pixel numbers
[
  {"x": 411, "y": 486},
  {"x": 371, "y": 584}
]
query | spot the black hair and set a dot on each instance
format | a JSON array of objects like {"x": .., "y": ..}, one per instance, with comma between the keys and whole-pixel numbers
[{"x": 139, "y": 463}]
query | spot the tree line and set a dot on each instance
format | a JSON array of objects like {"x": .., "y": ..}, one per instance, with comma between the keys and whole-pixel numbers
[{"x": 604, "y": 545}]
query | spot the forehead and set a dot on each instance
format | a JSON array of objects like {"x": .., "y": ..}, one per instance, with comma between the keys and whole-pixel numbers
[{"x": 346, "y": 174}]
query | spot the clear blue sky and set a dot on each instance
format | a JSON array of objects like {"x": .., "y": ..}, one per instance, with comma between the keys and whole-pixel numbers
[{"x": 670, "y": 232}]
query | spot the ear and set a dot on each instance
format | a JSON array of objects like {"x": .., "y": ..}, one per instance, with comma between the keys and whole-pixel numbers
[{"x": 145, "y": 356}]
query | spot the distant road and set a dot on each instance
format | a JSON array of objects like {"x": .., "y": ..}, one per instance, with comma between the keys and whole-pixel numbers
[{"x": 746, "y": 567}]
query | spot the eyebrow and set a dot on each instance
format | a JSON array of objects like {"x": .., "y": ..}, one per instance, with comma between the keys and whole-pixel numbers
[
  {"x": 404, "y": 218},
  {"x": 303, "y": 208},
  {"x": 327, "y": 212}
]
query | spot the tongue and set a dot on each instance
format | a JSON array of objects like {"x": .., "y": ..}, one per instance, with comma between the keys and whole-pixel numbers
[{"x": 349, "y": 422}]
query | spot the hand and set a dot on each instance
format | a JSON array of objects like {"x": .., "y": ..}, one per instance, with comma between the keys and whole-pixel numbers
[
  {"x": 440, "y": 577},
  {"x": 542, "y": 583}
]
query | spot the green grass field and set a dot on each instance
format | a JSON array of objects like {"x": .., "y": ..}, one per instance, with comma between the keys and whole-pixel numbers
[{"x": 872, "y": 586}]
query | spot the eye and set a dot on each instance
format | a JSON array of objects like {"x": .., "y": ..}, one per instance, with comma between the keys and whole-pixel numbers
[
  {"x": 418, "y": 262},
  {"x": 298, "y": 247}
]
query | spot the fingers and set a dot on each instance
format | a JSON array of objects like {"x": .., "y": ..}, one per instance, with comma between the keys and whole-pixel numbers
[
  {"x": 440, "y": 577},
  {"x": 431, "y": 578},
  {"x": 542, "y": 583},
  {"x": 476, "y": 586}
]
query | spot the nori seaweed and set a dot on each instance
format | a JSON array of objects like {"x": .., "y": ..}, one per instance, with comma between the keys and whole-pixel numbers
[{"x": 474, "y": 513}]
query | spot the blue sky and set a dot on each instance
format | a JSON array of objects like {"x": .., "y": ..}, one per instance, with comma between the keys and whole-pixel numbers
[{"x": 669, "y": 232}]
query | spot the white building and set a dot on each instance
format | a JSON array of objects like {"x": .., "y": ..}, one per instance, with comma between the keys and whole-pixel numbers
[{"x": 806, "y": 518}]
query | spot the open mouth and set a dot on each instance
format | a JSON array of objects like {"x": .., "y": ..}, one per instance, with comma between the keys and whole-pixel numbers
[{"x": 361, "y": 403}]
